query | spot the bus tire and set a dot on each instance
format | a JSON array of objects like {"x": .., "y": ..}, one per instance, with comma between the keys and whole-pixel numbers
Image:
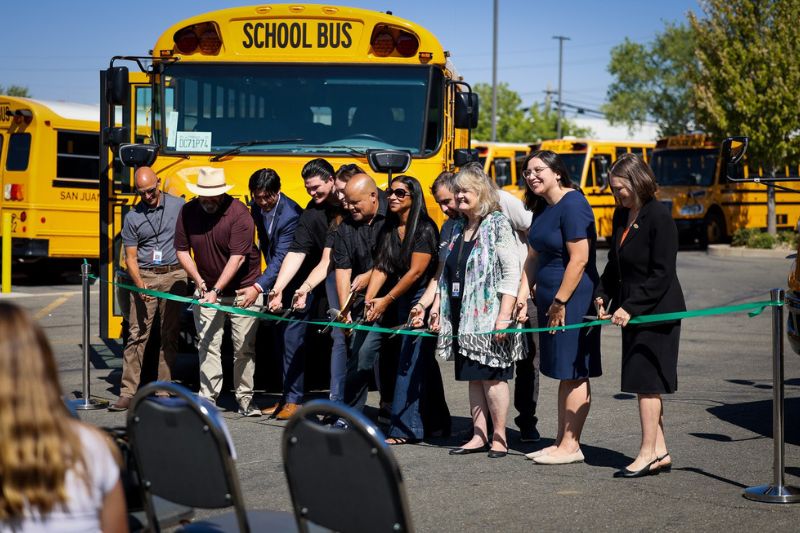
[{"x": 714, "y": 231}]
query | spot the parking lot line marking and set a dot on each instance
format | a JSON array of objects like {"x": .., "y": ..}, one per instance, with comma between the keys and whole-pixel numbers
[{"x": 51, "y": 306}]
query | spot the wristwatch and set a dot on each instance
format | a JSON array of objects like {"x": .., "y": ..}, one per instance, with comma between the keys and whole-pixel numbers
[{"x": 215, "y": 289}]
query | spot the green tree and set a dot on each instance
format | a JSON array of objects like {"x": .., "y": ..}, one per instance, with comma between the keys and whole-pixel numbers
[
  {"x": 748, "y": 77},
  {"x": 544, "y": 119},
  {"x": 652, "y": 82},
  {"x": 514, "y": 123},
  {"x": 15, "y": 90}
]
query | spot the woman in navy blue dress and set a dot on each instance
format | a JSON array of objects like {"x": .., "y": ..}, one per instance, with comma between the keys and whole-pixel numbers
[{"x": 562, "y": 276}]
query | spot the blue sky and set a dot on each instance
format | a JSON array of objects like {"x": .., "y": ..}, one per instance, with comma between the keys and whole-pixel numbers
[{"x": 56, "y": 48}]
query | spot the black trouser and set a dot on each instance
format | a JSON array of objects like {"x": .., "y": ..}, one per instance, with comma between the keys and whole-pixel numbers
[{"x": 526, "y": 385}]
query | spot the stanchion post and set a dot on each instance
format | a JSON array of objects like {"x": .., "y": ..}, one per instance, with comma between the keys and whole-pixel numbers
[
  {"x": 6, "y": 281},
  {"x": 776, "y": 492},
  {"x": 86, "y": 403}
]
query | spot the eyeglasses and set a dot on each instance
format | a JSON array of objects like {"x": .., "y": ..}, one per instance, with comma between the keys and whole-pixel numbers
[
  {"x": 148, "y": 192},
  {"x": 397, "y": 193},
  {"x": 527, "y": 173}
]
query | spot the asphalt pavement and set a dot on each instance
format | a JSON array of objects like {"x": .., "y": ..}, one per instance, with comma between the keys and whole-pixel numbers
[{"x": 718, "y": 426}]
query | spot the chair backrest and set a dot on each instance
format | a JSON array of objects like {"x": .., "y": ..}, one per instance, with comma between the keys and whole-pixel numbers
[
  {"x": 183, "y": 451},
  {"x": 342, "y": 479}
]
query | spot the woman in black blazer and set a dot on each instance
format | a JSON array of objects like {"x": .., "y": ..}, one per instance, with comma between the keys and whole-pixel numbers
[{"x": 640, "y": 279}]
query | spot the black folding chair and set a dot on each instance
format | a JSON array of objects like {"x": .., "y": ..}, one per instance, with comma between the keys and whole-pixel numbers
[
  {"x": 343, "y": 479},
  {"x": 185, "y": 455}
]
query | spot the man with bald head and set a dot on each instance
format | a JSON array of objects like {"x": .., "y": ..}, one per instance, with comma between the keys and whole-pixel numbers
[
  {"x": 354, "y": 251},
  {"x": 147, "y": 235}
]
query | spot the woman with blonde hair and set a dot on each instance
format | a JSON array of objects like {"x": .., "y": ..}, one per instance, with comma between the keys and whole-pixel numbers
[
  {"x": 477, "y": 291},
  {"x": 56, "y": 473}
]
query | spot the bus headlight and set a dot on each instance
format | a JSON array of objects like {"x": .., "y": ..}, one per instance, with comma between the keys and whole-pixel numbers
[{"x": 691, "y": 210}]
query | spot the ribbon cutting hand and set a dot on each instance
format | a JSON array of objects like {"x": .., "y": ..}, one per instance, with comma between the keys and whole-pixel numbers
[
  {"x": 416, "y": 317},
  {"x": 556, "y": 315},
  {"x": 275, "y": 302},
  {"x": 247, "y": 296},
  {"x": 376, "y": 308},
  {"x": 620, "y": 317}
]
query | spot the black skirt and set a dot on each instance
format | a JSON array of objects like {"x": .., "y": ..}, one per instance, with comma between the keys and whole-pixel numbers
[{"x": 650, "y": 358}]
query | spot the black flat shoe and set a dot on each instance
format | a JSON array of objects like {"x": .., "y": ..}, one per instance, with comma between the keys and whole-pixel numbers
[
  {"x": 497, "y": 454},
  {"x": 646, "y": 471},
  {"x": 467, "y": 451},
  {"x": 664, "y": 469}
]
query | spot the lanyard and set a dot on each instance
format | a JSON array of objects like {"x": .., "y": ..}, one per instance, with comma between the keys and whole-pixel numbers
[
  {"x": 160, "y": 220},
  {"x": 461, "y": 248},
  {"x": 274, "y": 214}
]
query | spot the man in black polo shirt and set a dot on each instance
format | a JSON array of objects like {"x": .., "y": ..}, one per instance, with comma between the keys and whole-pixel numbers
[
  {"x": 311, "y": 236},
  {"x": 147, "y": 234},
  {"x": 354, "y": 250}
]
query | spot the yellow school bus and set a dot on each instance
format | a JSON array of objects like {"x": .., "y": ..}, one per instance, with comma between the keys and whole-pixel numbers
[
  {"x": 588, "y": 161},
  {"x": 704, "y": 204},
  {"x": 503, "y": 163},
  {"x": 49, "y": 154},
  {"x": 275, "y": 86}
]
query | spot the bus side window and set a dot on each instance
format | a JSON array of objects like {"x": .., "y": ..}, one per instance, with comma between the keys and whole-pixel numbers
[
  {"x": 77, "y": 160},
  {"x": 19, "y": 151},
  {"x": 621, "y": 150},
  {"x": 519, "y": 159},
  {"x": 638, "y": 151},
  {"x": 648, "y": 152},
  {"x": 501, "y": 169},
  {"x": 600, "y": 165}
]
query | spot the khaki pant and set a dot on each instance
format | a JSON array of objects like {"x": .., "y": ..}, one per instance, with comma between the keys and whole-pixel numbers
[
  {"x": 140, "y": 320},
  {"x": 210, "y": 324}
]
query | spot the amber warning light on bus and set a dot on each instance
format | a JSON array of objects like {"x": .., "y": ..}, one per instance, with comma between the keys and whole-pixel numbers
[
  {"x": 203, "y": 37},
  {"x": 388, "y": 39}
]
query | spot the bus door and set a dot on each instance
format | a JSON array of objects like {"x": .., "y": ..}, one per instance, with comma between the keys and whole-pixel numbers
[
  {"x": 598, "y": 191},
  {"x": 122, "y": 122}
]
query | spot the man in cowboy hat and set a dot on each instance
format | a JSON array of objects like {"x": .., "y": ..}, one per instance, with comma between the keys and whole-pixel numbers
[{"x": 219, "y": 230}]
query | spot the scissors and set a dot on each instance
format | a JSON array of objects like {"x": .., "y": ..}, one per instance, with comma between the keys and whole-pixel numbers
[
  {"x": 337, "y": 315},
  {"x": 596, "y": 317},
  {"x": 292, "y": 308}
]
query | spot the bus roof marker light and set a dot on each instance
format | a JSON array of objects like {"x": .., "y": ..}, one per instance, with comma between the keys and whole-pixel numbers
[
  {"x": 382, "y": 43},
  {"x": 407, "y": 44},
  {"x": 186, "y": 41},
  {"x": 425, "y": 56},
  {"x": 210, "y": 43}
]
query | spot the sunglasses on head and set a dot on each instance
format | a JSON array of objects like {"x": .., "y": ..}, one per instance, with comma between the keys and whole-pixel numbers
[{"x": 397, "y": 193}]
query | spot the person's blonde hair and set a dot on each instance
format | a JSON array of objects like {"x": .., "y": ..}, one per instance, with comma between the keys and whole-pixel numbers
[
  {"x": 471, "y": 177},
  {"x": 37, "y": 444}
]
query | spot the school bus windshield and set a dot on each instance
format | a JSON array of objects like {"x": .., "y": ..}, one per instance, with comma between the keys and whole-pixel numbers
[
  {"x": 684, "y": 167},
  {"x": 301, "y": 108},
  {"x": 574, "y": 163}
]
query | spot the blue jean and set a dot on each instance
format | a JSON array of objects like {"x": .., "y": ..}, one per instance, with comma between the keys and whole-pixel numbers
[
  {"x": 339, "y": 349},
  {"x": 290, "y": 340}
]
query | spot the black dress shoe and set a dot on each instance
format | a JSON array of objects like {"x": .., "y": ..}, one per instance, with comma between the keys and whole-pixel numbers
[
  {"x": 467, "y": 451},
  {"x": 648, "y": 470},
  {"x": 497, "y": 454}
]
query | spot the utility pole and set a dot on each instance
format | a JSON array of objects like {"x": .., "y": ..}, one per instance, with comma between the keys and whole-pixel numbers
[
  {"x": 494, "y": 74},
  {"x": 561, "y": 40}
]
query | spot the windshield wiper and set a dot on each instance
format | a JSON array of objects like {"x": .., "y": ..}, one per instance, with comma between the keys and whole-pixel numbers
[
  {"x": 241, "y": 145},
  {"x": 347, "y": 149}
]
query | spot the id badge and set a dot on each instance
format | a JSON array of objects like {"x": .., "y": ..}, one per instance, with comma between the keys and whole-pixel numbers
[
  {"x": 455, "y": 290},
  {"x": 157, "y": 257}
]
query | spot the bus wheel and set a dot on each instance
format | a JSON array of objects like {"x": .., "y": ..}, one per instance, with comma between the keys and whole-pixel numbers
[{"x": 714, "y": 228}]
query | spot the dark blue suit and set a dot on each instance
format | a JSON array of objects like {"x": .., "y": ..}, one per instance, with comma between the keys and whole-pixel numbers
[{"x": 275, "y": 244}]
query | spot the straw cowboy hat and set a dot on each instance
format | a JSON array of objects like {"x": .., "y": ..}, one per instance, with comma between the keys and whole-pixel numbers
[{"x": 210, "y": 182}]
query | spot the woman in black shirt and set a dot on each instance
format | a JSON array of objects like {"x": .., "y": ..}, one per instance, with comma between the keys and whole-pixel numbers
[{"x": 406, "y": 260}]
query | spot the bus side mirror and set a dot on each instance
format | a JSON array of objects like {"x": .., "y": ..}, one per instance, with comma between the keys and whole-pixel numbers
[
  {"x": 502, "y": 173},
  {"x": 462, "y": 156},
  {"x": 466, "y": 110},
  {"x": 389, "y": 161},
  {"x": 138, "y": 155},
  {"x": 117, "y": 85},
  {"x": 732, "y": 152},
  {"x": 116, "y": 136}
]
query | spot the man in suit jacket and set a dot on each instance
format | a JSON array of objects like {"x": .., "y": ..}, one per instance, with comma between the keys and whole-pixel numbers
[{"x": 275, "y": 217}]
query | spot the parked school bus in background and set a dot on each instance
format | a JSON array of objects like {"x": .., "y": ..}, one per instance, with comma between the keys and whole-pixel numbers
[
  {"x": 275, "y": 86},
  {"x": 588, "y": 161},
  {"x": 704, "y": 204},
  {"x": 49, "y": 154},
  {"x": 503, "y": 163}
]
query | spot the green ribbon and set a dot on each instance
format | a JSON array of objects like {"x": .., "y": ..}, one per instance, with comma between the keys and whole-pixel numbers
[{"x": 753, "y": 309}]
